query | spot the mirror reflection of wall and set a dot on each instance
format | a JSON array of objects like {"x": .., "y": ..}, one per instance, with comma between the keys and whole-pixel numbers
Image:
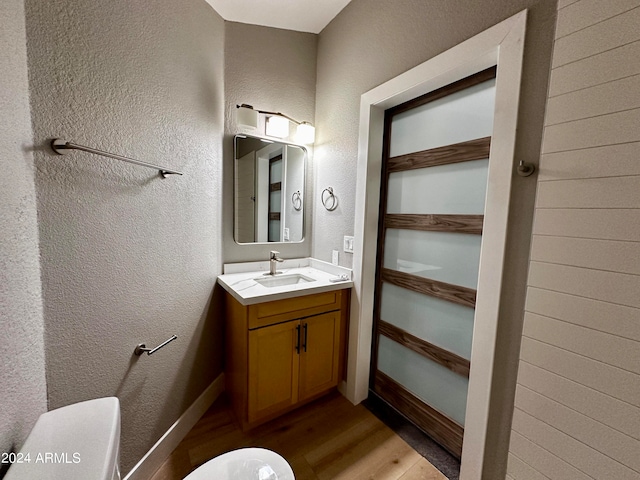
[{"x": 269, "y": 182}]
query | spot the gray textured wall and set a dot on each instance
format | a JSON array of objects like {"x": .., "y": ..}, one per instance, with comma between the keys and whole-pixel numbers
[
  {"x": 128, "y": 257},
  {"x": 372, "y": 41},
  {"x": 273, "y": 70},
  {"x": 23, "y": 391}
]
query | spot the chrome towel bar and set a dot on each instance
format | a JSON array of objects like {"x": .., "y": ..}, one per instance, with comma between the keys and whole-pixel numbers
[
  {"x": 141, "y": 347},
  {"x": 61, "y": 147}
]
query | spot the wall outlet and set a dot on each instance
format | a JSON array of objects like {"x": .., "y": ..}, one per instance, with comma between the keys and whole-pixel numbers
[
  {"x": 348, "y": 244},
  {"x": 286, "y": 234},
  {"x": 334, "y": 257}
]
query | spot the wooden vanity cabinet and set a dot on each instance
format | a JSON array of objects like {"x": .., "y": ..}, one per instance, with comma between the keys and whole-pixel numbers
[{"x": 284, "y": 353}]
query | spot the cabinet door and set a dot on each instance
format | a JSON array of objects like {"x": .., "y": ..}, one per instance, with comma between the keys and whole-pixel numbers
[
  {"x": 273, "y": 369},
  {"x": 319, "y": 354}
]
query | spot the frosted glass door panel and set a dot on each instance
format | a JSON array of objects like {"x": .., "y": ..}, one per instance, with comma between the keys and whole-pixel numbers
[
  {"x": 434, "y": 384},
  {"x": 447, "y": 257},
  {"x": 275, "y": 200},
  {"x": 445, "y": 324},
  {"x": 459, "y": 117},
  {"x": 456, "y": 188},
  {"x": 274, "y": 230},
  {"x": 276, "y": 171}
]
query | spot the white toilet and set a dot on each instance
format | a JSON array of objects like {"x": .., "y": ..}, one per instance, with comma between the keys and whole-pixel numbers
[
  {"x": 82, "y": 442},
  {"x": 244, "y": 463}
]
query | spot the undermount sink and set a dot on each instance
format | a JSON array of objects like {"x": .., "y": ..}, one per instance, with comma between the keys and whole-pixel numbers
[
  {"x": 251, "y": 283},
  {"x": 282, "y": 280}
]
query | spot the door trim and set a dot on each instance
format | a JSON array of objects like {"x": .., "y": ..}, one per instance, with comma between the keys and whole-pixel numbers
[
  {"x": 503, "y": 46},
  {"x": 458, "y": 152},
  {"x": 464, "y": 296},
  {"x": 447, "y": 432},
  {"x": 441, "y": 356},
  {"x": 429, "y": 222}
]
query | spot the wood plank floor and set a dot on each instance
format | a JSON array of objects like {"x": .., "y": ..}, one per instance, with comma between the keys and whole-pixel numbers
[{"x": 329, "y": 439}]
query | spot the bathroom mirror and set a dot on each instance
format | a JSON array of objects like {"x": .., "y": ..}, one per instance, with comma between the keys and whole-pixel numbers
[{"x": 269, "y": 181}]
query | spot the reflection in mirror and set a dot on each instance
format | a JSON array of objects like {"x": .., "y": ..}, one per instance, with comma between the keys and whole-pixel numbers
[{"x": 269, "y": 182}]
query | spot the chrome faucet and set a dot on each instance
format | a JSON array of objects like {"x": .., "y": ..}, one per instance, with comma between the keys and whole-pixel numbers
[{"x": 273, "y": 259}]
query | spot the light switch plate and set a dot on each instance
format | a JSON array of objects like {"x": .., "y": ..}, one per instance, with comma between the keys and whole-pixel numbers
[
  {"x": 286, "y": 234},
  {"x": 334, "y": 257},
  {"x": 348, "y": 244}
]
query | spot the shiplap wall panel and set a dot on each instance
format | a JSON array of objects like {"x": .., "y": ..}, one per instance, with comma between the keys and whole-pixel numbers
[
  {"x": 607, "y": 161},
  {"x": 602, "y": 223},
  {"x": 623, "y": 257},
  {"x": 610, "y": 349},
  {"x": 565, "y": 3},
  {"x": 577, "y": 405},
  {"x": 612, "y": 443},
  {"x": 587, "y": 13},
  {"x": 603, "y": 316},
  {"x": 595, "y": 101},
  {"x": 599, "y": 376},
  {"x": 619, "y": 127},
  {"x": 518, "y": 469},
  {"x": 612, "y": 412},
  {"x": 550, "y": 465},
  {"x": 611, "y": 192},
  {"x": 605, "y": 67},
  {"x": 606, "y": 35},
  {"x": 583, "y": 457},
  {"x": 612, "y": 287}
]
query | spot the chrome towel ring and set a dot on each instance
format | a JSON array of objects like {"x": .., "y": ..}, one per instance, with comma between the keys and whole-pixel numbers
[
  {"x": 330, "y": 201},
  {"x": 296, "y": 199}
]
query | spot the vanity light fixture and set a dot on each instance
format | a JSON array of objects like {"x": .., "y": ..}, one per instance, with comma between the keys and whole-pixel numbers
[{"x": 277, "y": 124}]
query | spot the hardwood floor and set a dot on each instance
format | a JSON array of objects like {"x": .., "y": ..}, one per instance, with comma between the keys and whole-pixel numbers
[{"x": 328, "y": 439}]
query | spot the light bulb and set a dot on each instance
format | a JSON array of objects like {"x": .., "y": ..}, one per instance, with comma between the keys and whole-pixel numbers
[
  {"x": 277, "y": 126},
  {"x": 246, "y": 115},
  {"x": 306, "y": 133}
]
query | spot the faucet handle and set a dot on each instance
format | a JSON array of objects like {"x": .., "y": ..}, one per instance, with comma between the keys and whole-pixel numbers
[{"x": 273, "y": 255}]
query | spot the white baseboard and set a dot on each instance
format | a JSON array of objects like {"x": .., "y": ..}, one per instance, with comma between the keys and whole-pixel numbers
[{"x": 155, "y": 457}]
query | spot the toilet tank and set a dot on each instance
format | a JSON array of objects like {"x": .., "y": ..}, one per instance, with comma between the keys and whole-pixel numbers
[{"x": 76, "y": 442}]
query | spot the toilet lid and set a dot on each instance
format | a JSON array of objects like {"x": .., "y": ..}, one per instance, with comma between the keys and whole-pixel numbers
[{"x": 244, "y": 464}]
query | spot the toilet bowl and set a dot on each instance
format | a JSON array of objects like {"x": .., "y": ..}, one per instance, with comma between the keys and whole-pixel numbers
[
  {"x": 82, "y": 442},
  {"x": 244, "y": 464}
]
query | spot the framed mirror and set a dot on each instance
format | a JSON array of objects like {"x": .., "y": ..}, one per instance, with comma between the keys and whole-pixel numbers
[{"x": 269, "y": 184}]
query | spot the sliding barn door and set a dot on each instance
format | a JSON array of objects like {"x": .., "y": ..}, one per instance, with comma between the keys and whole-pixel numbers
[{"x": 436, "y": 157}]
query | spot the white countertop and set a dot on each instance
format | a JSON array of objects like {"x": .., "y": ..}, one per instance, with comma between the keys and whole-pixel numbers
[{"x": 239, "y": 279}]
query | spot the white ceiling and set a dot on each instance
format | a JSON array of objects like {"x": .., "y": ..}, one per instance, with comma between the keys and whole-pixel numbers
[{"x": 301, "y": 15}]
